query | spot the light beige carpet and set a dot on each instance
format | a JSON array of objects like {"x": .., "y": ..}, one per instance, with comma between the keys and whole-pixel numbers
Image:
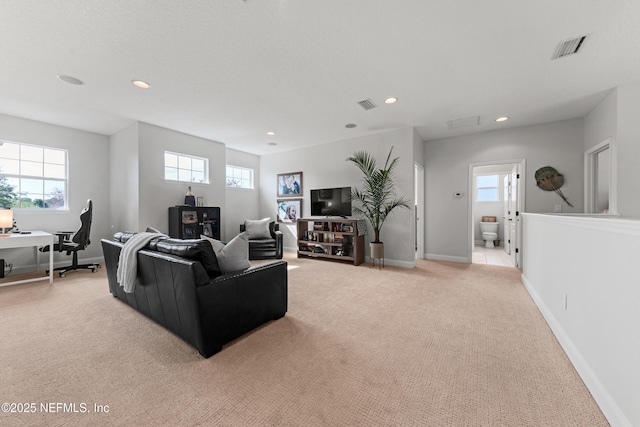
[{"x": 441, "y": 345}]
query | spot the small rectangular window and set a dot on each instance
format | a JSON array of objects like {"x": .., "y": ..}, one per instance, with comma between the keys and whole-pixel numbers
[
  {"x": 185, "y": 168},
  {"x": 487, "y": 188},
  {"x": 239, "y": 177},
  {"x": 32, "y": 176}
]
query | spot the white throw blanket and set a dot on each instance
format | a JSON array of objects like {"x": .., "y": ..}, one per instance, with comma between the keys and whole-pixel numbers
[{"x": 128, "y": 262}]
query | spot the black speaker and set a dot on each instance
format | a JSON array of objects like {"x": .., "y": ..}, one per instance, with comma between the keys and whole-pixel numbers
[{"x": 1, "y": 268}]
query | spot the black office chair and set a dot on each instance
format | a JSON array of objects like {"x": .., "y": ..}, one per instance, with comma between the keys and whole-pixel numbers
[{"x": 79, "y": 242}]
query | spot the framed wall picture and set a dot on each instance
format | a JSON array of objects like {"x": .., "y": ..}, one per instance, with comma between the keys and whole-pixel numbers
[
  {"x": 290, "y": 184},
  {"x": 289, "y": 210}
]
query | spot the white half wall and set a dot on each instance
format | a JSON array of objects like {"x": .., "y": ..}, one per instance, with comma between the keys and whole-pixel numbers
[{"x": 582, "y": 272}]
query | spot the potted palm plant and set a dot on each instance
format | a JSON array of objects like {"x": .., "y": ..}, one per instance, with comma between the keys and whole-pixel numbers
[{"x": 377, "y": 198}]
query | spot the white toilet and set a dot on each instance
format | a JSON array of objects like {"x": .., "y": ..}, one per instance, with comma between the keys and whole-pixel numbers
[{"x": 489, "y": 232}]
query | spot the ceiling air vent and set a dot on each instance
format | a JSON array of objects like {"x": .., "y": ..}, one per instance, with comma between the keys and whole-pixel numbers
[
  {"x": 467, "y": 121},
  {"x": 367, "y": 104},
  {"x": 569, "y": 47}
]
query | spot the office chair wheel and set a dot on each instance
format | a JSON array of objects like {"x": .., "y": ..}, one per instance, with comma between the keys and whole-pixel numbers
[
  {"x": 93, "y": 270},
  {"x": 61, "y": 274}
]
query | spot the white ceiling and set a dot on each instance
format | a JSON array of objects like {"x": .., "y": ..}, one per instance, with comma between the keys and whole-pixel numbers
[{"x": 231, "y": 70}]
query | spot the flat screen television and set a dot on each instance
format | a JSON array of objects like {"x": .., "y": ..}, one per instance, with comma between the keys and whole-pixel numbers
[{"x": 331, "y": 202}]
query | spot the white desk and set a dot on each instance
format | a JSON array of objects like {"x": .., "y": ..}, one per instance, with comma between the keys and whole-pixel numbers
[{"x": 35, "y": 239}]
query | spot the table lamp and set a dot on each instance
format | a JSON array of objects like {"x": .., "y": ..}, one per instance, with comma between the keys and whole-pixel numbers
[{"x": 6, "y": 221}]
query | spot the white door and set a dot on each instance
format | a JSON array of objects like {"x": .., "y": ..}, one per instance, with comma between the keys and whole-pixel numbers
[
  {"x": 514, "y": 216},
  {"x": 505, "y": 217}
]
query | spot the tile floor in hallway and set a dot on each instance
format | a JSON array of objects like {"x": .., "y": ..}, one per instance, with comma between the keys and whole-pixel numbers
[{"x": 491, "y": 256}]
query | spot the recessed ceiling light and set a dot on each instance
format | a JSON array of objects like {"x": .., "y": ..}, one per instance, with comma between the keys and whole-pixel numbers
[
  {"x": 141, "y": 84},
  {"x": 69, "y": 79},
  {"x": 271, "y": 133},
  {"x": 502, "y": 119},
  {"x": 391, "y": 100},
  {"x": 350, "y": 125}
]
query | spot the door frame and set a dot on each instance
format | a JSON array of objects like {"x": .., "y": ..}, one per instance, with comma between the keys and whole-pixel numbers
[
  {"x": 520, "y": 204},
  {"x": 506, "y": 227},
  {"x": 419, "y": 191},
  {"x": 515, "y": 223},
  {"x": 590, "y": 180}
]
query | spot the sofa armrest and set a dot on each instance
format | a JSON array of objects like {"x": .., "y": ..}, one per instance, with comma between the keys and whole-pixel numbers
[
  {"x": 263, "y": 284},
  {"x": 235, "y": 303},
  {"x": 279, "y": 244},
  {"x": 274, "y": 228}
]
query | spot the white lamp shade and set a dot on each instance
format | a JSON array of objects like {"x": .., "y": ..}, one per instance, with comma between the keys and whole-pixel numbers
[{"x": 6, "y": 218}]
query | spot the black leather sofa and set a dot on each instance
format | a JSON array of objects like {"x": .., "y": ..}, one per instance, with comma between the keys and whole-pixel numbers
[
  {"x": 178, "y": 287},
  {"x": 266, "y": 248}
]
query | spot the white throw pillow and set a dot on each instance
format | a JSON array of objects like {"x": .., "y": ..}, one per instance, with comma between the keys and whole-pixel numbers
[
  {"x": 257, "y": 228},
  {"x": 233, "y": 256}
]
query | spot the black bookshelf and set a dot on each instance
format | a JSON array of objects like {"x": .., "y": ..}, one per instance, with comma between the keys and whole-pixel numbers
[{"x": 187, "y": 222}]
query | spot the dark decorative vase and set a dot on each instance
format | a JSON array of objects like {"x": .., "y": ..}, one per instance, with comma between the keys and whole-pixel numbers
[{"x": 190, "y": 199}]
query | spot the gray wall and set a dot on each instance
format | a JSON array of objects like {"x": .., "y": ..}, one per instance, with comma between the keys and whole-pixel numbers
[
  {"x": 141, "y": 196},
  {"x": 123, "y": 175},
  {"x": 601, "y": 122},
  {"x": 617, "y": 117},
  {"x": 325, "y": 166},
  {"x": 88, "y": 179},
  {"x": 242, "y": 203},
  {"x": 156, "y": 194},
  {"x": 628, "y": 142},
  {"x": 558, "y": 144},
  {"x": 418, "y": 149}
]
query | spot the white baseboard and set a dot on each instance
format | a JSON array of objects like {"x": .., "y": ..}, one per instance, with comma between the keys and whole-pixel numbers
[
  {"x": 393, "y": 262},
  {"x": 30, "y": 268},
  {"x": 387, "y": 261},
  {"x": 438, "y": 257},
  {"x": 603, "y": 398}
]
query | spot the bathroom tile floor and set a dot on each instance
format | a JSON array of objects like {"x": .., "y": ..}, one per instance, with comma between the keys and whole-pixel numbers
[{"x": 491, "y": 256}]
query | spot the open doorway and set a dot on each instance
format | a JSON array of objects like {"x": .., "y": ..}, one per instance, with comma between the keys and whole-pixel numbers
[{"x": 496, "y": 192}]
